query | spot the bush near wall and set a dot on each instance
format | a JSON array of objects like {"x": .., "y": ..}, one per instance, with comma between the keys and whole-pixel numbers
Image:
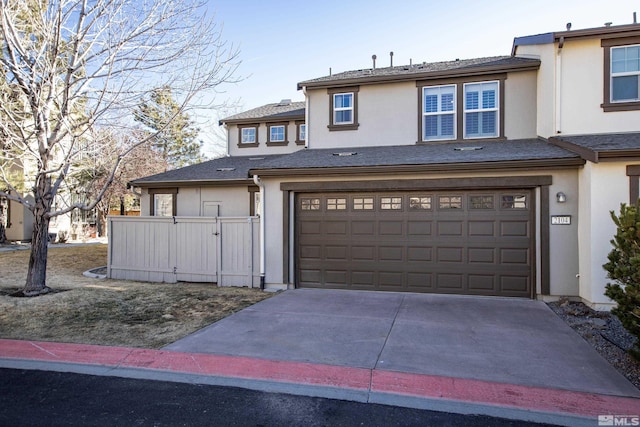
[{"x": 624, "y": 268}]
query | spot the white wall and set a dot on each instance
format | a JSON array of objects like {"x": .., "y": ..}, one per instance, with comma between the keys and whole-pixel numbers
[{"x": 603, "y": 187}]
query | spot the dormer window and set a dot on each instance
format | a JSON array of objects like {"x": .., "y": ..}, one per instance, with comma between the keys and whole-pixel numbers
[
  {"x": 343, "y": 108},
  {"x": 248, "y": 135},
  {"x": 277, "y": 133}
]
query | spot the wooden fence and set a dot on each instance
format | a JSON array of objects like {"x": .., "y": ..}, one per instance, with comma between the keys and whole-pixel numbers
[{"x": 186, "y": 249}]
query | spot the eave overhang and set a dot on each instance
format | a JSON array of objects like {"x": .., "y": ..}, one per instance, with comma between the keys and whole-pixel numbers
[
  {"x": 566, "y": 163},
  {"x": 530, "y": 65},
  {"x": 595, "y": 155},
  {"x": 191, "y": 183}
]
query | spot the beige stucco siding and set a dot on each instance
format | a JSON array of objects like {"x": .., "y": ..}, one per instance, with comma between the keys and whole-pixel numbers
[
  {"x": 563, "y": 239},
  {"x": 262, "y": 148},
  {"x": 570, "y": 90},
  {"x": 603, "y": 187},
  {"x": 520, "y": 105},
  {"x": 232, "y": 200},
  {"x": 387, "y": 115}
]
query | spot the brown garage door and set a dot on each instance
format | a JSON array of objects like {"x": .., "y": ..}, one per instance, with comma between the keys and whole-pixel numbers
[{"x": 462, "y": 242}]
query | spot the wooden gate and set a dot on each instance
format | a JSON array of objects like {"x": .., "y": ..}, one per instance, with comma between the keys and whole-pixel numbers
[{"x": 189, "y": 249}]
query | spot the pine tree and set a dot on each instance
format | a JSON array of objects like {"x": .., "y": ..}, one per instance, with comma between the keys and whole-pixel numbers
[
  {"x": 176, "y": 133},
  {"x": 624, "y": 268}
]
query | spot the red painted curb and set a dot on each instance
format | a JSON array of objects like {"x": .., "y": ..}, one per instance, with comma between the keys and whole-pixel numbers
[
  {"x": 499, "y": 394},
  {"x": 368, "y": 380}
]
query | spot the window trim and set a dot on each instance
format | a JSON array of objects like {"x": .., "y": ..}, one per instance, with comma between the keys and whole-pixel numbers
[
  {"x": 241, "y": 144},
  {"x": 459, "y": 125},
  {"x": 172, "y": 191},
  {"x": 607, "y": 105},
  {"x": 343, "y": 126},
  {"x": 285, "y": 141},
  {"x": 454, "y": 113},
  {"x": 299, "y": 124},
  {"x": 481, "y": 110}
]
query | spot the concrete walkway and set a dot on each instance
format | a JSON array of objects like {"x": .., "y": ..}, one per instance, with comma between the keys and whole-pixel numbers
[{"x": 500, "y": 357}]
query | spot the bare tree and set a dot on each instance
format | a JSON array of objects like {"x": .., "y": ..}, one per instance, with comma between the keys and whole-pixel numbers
[{"x": 80, "y": 64}]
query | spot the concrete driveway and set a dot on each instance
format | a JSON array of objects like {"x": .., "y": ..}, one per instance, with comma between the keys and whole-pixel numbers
[{"x": 513, "y": 341}]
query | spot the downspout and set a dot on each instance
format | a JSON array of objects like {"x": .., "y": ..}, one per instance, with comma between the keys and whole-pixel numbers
[
  {"x": 306, "y": 116},
  {"x": 558, "y": 88},
  {"x": 258, "y": 182}
]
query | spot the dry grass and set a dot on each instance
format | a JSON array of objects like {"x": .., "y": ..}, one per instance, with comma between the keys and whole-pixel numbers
[{"x": 108, "y": 312}]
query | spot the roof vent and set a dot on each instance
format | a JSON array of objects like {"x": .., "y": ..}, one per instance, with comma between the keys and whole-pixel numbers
[
  {"x": 225, "y": 169},
  {"x": 284, "y": 103},
  {"x": 345, "y": 154},
  {"x": 468, "y": 148}
]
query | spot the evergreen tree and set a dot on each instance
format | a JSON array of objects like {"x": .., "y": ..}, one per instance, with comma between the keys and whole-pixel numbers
[
  {"x": 174, "y": 132},
  {"x": 624, "y": 268}
]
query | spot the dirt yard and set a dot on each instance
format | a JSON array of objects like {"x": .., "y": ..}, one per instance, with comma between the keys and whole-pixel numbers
[{"x": 108, "y": 312}]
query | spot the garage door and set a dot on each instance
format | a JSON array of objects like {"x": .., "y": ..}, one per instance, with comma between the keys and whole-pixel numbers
[{"x": 459, "y": 242}]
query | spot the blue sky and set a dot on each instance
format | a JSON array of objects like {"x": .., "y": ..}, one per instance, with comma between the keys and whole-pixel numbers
[{"x": 283, "y": 42}]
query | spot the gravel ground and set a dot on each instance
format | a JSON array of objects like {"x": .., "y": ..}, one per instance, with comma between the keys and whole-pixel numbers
[{"x": 604, "y": 332}]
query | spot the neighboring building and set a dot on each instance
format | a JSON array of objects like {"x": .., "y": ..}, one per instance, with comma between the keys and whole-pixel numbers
[{"x": 488, "y": 176}]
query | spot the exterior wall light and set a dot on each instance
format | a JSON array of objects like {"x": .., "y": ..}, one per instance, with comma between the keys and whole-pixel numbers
[{"x": 561, "y": 197}]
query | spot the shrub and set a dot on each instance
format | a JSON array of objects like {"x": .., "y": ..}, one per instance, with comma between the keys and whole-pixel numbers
[{"x": 624, "y": 268}]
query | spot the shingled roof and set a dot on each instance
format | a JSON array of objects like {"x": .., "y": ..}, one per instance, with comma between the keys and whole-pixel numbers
[
  {"x": 597, "y": 146},
  {"x": 277, "y": 111},
  {"x": 474, "y": 155},
  {"x": 225, "y": 170},
  {"x": 425, "y": 70}
]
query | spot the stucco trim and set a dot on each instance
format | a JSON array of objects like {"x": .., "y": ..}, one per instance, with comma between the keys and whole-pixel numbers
[{"x": 440, "y": 167}]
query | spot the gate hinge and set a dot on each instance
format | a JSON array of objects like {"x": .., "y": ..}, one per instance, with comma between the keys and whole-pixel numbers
[{"x": 175, "y": 270}]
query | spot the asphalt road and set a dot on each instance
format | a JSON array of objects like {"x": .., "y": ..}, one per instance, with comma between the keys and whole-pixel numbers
[{"x": 42, "y": 398}]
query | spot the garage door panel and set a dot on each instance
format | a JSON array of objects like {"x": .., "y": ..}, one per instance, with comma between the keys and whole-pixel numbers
[
  {"x": 363, "y": 228},
  {"x": 514, "y": 228},
  {"x": 481, "y": 228},
  {"x": 419, "y": 253},
  {"x": 391, "y": 253},
  {"x": 336, "y": 252},
  {"x": 450, "y": 281},
  {"x": 481, "y": 255},
  {"x": 450, "y": 255},
  {"x": 391, "y": 228},
  {"x": 419, "y": 228},
  {"x": 485, "y": 283},
  {"x": 450, "y": 228},
  {"x": 474, "y": 242},
  {"x": 514, "y": 256}
]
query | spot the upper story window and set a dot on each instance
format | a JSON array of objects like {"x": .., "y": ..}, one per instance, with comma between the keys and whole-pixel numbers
[
  {"x": 301, "y": 131},
  {"x": 277, "y": 133},
  {"x": 461, "y": 109},
  {"x": 625, "y": 73},
  {"x": 248, "y": 135},
  {"x": 621, "y": 74},
  {"x": 481, "y": 110},
  {"x": 439, "y": 113},
  {"x": 343, "y": 108}
]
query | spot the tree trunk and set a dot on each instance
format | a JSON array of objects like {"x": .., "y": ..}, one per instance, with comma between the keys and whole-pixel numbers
[
  {"x": 37, "y": 272},
  {"x": 3, "y": 233}
]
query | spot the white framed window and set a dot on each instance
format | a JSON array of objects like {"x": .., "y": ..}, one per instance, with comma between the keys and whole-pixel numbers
[
  {"x": 625, "y": 73},
  {"x": 163, "y": 204},
  {"x": 248, "y": 135},
  {"x": 439, "y": 113},
  {"x": 343, "y": 108},
  {"x": 481, "y": 112},
  {"x": 276, "y": 133},
  {"x": 302, "y": 132}
]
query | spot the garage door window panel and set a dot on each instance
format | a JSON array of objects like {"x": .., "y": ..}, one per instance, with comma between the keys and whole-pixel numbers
[
  {"x": 420, "y": 203},
  {"x": 450, "y": 202},
  {"x": 513, "y": 201},
  {"x": 481, "y": 202},
  {"x": 307, "y": 204},
  {"x": 337, "y": 204},
  {"x": 391, "y": 203},
  {"x": 363, "y": 203}
]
